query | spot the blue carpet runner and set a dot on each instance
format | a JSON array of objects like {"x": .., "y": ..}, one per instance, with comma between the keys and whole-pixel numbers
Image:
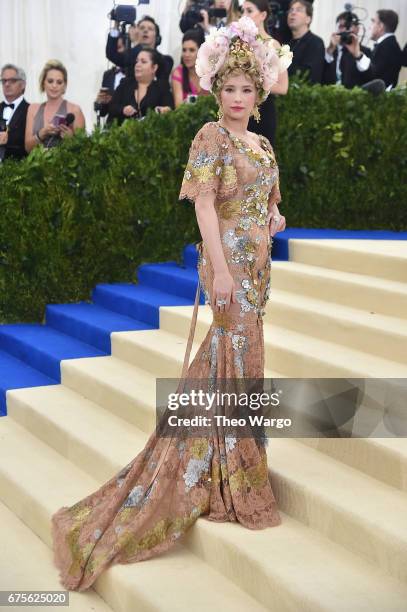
[{"x": 31, "y": 354}]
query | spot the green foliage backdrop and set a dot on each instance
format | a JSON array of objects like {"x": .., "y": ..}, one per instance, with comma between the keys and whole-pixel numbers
[{"x": 96, "y": 207}]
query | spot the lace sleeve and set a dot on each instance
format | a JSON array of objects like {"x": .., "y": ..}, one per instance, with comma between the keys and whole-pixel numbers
[
  {"x": 210, "y": 166},
  {"x": 272, "y": 156}
]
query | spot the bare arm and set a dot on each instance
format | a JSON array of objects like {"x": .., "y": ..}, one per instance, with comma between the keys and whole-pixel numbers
[
  {"x": 275, "y": 220},
  {"x": 177, "y": 92},
  {"x": 223, "y": 284},
  {"x": 281, "y": 87},
  {"x": 79, "y": 122}
]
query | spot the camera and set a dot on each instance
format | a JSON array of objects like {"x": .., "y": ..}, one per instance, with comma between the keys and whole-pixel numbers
[
  {"x": 346, "y": 38},
  {"x": 191, "y": 98},
  {"x": 126, "y": 13},
  {"x": 194, "y": 12}
]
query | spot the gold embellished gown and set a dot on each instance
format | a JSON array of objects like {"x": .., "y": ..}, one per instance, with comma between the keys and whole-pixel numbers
[{"x": 144, "y": 509}]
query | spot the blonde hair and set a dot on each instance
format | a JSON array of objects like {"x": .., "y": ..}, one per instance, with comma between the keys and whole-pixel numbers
[
  {"x": 234, "y": 12},
  {"x": 52, "y": 65}
]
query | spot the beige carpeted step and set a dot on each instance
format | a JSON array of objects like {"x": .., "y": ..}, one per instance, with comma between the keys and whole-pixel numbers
[
  {"x": 384, "y": 258},
  {"x": 363, "y": 330},
  {"x": 26, "y": 564},
  {"x": 369, "y": 293},
  {"x": 37, "y": 480},
  {"x": 288, "y": 352},
  {"x": 381, "y": 458},
  {"x": 264, "y": 563}
]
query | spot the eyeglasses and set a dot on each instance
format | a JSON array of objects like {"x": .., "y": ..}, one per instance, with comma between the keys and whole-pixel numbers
[{"x": 12, "y": 81}]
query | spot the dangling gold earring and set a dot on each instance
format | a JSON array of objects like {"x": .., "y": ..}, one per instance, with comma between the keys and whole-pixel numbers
[
  {"x": 256, "y": 113},
  {"x": 220, "y": 112}
]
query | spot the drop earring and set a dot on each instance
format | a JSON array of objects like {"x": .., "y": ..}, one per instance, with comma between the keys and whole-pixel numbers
[
  {"x": 220, "y": 112},
  {"x": 256, "y": 113}
]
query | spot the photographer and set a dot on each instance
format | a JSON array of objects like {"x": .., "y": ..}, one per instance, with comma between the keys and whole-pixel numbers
[
  {"x": 386, "y": 59},
  {"x": 13, "y": 113},
  {"x": 209, "y": 14},
  {"x": 340, "y": 64},
  {"x": 185, "y": 81},
  {"x": 142, "y": 91},
  {"x": 148, "y": 34}
]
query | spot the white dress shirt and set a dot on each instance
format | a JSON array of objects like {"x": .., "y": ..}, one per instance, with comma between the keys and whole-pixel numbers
[
  {"x": 9, "y": 112},
  {"x": 330, "y": 58}
]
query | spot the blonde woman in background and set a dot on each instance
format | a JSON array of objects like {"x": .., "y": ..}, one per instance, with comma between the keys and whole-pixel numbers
[{"x": 47, "y": 122}]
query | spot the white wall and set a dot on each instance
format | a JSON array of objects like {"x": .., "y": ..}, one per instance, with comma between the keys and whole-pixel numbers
[{"x": 74, "y": 31}]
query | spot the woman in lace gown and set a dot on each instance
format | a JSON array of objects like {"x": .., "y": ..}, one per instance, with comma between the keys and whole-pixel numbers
[{"x": 144, "y": 509}]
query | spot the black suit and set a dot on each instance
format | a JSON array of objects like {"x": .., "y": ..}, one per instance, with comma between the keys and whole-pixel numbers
[
  {"x": 16, "y": 131},
  {"x": 309, "y": 54},
  {"x": 109, "y": 79},
  {"x": 386, "y": 62},
  {"x": 127, "y": 59},
  {"x": 158, "y": 94},
  {"x": 351, "y": 76}
]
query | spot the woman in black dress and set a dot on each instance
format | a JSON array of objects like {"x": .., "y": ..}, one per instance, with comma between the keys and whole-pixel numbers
[
  {"x": 135, "y": 95},
  {"x": 259, "y": 12}
]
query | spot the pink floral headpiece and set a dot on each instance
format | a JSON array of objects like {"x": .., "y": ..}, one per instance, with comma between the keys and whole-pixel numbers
[{"x": 241, "y": 38}]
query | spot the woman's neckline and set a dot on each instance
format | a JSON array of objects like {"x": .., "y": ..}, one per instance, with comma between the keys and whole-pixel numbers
[{"x": 244, "y": 143}]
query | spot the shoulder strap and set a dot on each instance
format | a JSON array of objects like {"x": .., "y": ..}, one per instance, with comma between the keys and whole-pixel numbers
[{"x": 191, "y": 332}]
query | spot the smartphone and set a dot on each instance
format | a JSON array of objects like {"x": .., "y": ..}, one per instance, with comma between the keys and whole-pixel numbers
[{"x": 59, "y": 120}]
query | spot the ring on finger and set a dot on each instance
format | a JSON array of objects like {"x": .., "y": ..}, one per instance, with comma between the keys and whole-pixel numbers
[{"x": 220, "y": 302}]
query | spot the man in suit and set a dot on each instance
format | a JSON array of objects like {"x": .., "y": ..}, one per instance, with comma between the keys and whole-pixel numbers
[
  {"x": 110, "y": 82},
  {"x": 308, "y": 48},
  {"x": 386, "y": 60},
  {"x": 340, "y": 64},
  {"x": 13, "y": 112},
  {"x": 148, "y": 33}
]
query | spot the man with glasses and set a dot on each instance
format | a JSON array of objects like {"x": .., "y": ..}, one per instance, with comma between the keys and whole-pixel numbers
[
  {"x": 307, "y": 47},
  {"x": 13, "y": 113},
  {"x": 387, "y": 58},
  {"x": 340, "y": 64}
]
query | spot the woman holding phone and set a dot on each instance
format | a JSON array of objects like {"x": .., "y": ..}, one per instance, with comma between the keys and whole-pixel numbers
[{"x": 48, "y": 123}]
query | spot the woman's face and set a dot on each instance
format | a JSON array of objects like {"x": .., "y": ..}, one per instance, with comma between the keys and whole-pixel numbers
[
  {"x": 223, "y": 4},
  {"x": 249, "y": 9},
  {"x": 189, "y": 53},
  {"x": 54, "y": 84},
  {"x": 238, "y": 97},
  {"x": 144, "y": 69}
]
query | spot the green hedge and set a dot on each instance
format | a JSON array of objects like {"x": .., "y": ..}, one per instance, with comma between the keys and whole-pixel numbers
[{"x": 96, "y": 207}]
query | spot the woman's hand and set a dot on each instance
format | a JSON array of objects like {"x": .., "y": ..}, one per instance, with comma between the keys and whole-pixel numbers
[
  {"x": 162, "y": 109},
  {"x": 224, "y": 291},
  {"x": 274, "y": 220},
  {"x": 129, "y": 111},
  {"x": 66, "y": 131},
  {"x": 49, "y": 129},
  {"x": 276, "y": 223}
]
